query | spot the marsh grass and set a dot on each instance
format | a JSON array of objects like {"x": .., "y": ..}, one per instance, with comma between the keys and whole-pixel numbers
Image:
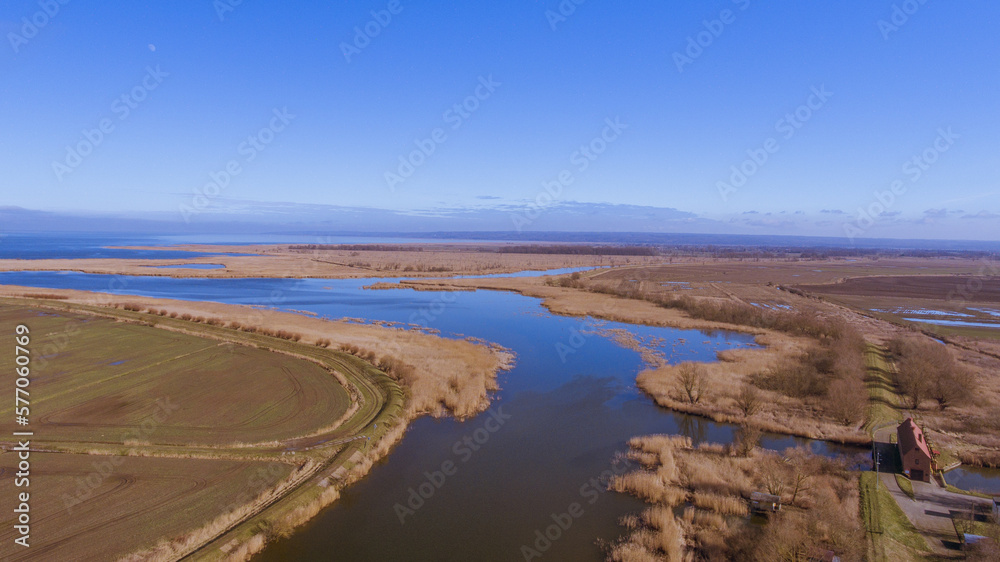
[{"x": 713, "y": 486}]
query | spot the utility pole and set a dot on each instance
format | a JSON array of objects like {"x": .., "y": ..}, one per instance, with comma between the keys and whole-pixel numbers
[{"x": 876, "y": 467}]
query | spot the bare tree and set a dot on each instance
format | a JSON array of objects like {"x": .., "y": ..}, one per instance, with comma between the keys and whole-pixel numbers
[
  {"x": 692, "y": 380},
  {"x": 774, "y": 474},
  {"x": 846, "y": 400},
  {"x": 805, "y": 465},
  {"x": 747, "y": 439},
  {"x": 952, "y": 386},
  {"x": 927, "y": 369},
  {"x": 786, "y": 537},
  {"x": 749, "y": 400}
]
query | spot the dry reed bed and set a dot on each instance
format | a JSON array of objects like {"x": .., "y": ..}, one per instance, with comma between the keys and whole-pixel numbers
[
  {"x": 725, "y": 380},
  {"x": 698, "y": 500}
]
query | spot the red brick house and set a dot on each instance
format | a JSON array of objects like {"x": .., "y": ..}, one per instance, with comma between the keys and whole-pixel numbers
[{"x": 913, "y": 451}]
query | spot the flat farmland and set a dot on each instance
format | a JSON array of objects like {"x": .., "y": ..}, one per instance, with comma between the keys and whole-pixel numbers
[
  {"x": 154, "y": 436},
  {"x": 125, "y": 506},
  {"x": 935, "y": 287},
  {"x": 791, "y": 272},
  {"x": 111, "y": 382},
  {"x": 945, "y": 305}
]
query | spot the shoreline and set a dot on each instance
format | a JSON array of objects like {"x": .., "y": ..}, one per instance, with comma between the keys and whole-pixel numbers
[{"x": 285, "y": 261}]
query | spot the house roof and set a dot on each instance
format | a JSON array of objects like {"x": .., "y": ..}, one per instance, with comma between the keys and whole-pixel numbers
[
  {"x": 762, "y": 497},
  {"x": 910, "y": 437},
  {"x": 822, "y": 555}
]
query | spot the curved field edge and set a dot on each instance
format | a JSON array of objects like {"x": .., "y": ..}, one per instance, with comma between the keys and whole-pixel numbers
[
  {"x": 329, "y": 466},
  {"x": 97, "y": 380}
]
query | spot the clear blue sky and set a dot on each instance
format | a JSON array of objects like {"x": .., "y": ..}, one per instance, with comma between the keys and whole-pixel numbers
[{"x": 892, "y": 89}]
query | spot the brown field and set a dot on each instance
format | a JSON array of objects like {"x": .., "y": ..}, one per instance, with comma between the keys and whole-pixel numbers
[
  {"x": 906, "y": 301},
  {"x": 110, "y": 377},
  {"x": 933, "y": 287},
  {"x": 131, "y": 503}
]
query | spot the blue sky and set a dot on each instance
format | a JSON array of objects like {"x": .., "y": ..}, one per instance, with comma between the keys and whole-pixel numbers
[{"x": 209, "y": 78}]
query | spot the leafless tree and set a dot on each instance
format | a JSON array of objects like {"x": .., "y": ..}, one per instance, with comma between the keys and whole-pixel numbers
[
  {"x": 749, "y": 400},
  {"x": 692, "y": 380},
  {"x": 805, "y": 465},
  {"x": 927, "y": 369},
  {"x": 747, "y": 439},
  {"x": 846, "y": 400}
]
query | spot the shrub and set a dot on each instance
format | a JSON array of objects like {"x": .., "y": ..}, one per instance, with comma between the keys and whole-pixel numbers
[
  {"x": 691, "y": 378},
  {"x": 847, "y": 400},
  {"x": 926, "y": 369},
  {"x": 749, "y": 400}
]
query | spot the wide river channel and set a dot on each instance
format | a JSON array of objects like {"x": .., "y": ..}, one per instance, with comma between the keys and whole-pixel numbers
[{"x": 561, "y": 416}]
